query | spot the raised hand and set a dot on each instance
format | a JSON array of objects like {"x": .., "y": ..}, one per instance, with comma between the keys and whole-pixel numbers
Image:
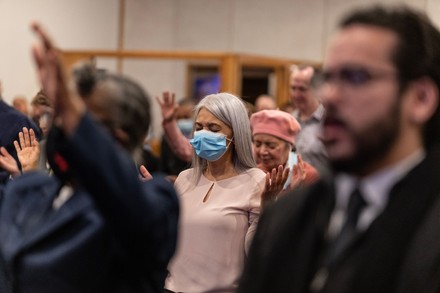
[
  {"x": 8, "y": 163},
  {"x": 28, "y": 149},
  {"x": 275, "y": 181},
  {"x": 68, "y": 107},
  {"x": 168, "y": 106}
]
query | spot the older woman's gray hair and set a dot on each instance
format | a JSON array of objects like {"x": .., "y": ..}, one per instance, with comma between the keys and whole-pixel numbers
[{"x": 231, "y": 111}]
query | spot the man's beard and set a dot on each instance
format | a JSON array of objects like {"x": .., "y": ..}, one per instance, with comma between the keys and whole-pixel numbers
[{"x": 372, "y": 144}]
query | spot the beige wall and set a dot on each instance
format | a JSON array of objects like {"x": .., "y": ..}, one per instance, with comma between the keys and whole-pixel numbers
[
  {"x": 297, "y": 29},
  {"x": 282, "y": 28},
  {"x": 73, "y": 24}
]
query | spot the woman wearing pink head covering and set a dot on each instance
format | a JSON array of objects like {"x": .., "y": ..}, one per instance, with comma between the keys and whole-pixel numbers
[{"x": 273, "y": 134}]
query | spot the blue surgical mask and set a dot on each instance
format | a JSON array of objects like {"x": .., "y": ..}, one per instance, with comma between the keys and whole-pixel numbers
[
  {"x": 209, "y": 145},
  {"x": 186, "y": 126}
]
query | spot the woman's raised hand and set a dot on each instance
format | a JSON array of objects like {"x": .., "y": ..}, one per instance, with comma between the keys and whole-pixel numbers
[
  {"x": 275, "y": 181},
  {"x": 168, "y": 106}
]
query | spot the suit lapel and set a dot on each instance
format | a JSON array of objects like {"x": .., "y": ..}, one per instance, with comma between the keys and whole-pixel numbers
[
  {"x": 308, "y": 225},
  {"x": 421, "y": 268},
  {"x": 389, "y": 237}
]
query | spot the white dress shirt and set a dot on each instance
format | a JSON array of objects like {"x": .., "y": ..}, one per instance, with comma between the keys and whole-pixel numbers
[{"x": 375, "y": 190}]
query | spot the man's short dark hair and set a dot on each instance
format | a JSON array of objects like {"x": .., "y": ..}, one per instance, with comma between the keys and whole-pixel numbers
[{"x": 417, "y": 54}]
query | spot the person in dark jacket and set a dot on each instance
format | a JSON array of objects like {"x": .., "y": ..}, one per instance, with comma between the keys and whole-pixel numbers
[
  {"x": 95, "y": 226},
  {"x": 373, "y": 226}
]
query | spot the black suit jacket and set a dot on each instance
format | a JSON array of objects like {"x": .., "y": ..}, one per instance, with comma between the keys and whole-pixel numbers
[
  {"x": 114, "y": 234},
  {"x": 395, "y": 254}
]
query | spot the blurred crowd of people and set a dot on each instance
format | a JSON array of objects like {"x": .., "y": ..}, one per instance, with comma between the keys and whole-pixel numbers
[{"x": 344, "y": 176}]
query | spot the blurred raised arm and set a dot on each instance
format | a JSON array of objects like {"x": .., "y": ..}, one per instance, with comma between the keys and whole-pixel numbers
[
  {"x": 175, "y": 138},
  {"x": 68, "y": 107}
]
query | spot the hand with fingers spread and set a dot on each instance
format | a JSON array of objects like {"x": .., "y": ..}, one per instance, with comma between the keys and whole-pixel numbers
[
  {"x": 175, "y": 138},
  {"x": 69, "y": 108},
  {"x": 298, "y": 174},
  {"x": 28, "y": 153},
  {"x": 275, "y": 181},
  {"x": 168, "y": 106},
  {"x": 8, "y": 163},
  {"x": 145, "y": 175},
  {"x": 28, "y": 150}
]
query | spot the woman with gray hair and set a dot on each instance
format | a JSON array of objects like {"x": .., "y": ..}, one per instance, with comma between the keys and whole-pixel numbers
[{"x": 220, "y": 199}]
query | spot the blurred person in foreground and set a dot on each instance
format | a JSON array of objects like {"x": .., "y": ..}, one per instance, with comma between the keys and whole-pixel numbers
[
  {"x": 95, "y": 226},
  {"x": 374, "y": 225}
]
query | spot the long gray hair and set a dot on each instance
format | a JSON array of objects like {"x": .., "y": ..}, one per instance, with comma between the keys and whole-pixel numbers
[{"x": 231, "y": 111}]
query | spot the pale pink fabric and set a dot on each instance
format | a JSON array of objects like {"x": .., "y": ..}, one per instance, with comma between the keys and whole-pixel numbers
[{"x": 214, "y": 236}]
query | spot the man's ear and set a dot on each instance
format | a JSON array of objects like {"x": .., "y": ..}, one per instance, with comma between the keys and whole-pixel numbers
[{"x": 425, "y": 100}]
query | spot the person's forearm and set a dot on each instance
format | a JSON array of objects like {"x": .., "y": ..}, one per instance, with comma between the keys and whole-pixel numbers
[
  {"x": 177, "y": 141},
  {"x": 73, "y": 109}
]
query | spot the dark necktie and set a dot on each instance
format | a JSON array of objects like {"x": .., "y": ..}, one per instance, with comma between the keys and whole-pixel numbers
[
  {"x": 338, "y": 246},
  {"x": 348, "y": 231}
]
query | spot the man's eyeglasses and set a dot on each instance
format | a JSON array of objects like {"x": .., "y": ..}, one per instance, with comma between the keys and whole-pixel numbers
[{"x": 351, "y": 76}]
